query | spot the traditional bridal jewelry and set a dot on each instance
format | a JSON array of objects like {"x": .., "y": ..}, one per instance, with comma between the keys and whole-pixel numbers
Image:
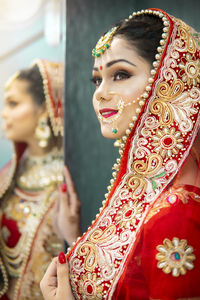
[
  {"x": 37, "y": 173},
  {"x": 115, "y": 128},
  {"x": 43, "y": 133},
  {"x": 104, "y": 42},
  {"x": 120, "y": 106}
]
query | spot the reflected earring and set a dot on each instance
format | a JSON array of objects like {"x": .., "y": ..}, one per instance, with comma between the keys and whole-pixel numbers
[{"x": 43, "y": 133}]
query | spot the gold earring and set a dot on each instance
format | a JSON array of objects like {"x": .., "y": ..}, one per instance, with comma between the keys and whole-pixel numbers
[{"x": 43, "y": 133}]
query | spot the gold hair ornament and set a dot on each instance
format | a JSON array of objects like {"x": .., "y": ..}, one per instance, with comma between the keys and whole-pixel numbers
[{"x": 104, "y": 42}]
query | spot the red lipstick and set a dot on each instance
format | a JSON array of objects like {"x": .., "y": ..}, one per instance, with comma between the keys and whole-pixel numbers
[{"x": 108, "y": 112}]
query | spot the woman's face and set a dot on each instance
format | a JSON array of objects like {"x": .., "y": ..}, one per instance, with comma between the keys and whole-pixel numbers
[
  {"x": 20, "y": 113},
  {"x": 120, "y": 76}
]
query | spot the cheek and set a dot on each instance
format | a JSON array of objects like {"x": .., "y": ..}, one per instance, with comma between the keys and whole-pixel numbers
[
  {"x": 136, "y": 87},
  {"x": 24, "y": 120},
  {"x": 95, "y": 103},
  {"x": 23, "y": 114}
]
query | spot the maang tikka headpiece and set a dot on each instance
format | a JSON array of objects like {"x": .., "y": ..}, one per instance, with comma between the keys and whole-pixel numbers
[{"x": 104, "y": 42}]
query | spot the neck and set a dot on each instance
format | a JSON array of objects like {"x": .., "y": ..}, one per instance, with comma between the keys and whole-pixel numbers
[{"x": 35, "y": 150}]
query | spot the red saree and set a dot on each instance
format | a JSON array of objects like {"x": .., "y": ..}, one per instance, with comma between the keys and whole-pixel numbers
[{"x": 168, "y": 219}]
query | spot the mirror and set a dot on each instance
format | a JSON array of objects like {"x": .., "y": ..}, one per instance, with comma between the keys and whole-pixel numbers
[
  {"x": 28, "y": 30},
  {"x": 32, "y": 60}
]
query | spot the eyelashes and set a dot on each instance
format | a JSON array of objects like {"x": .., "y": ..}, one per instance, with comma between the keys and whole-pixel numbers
[
  {"x": 96, "y": 80},
  {"x": 12, "y": 103},
  {"x": 120, "y": 75},
  {"x": 117, "y": 76}
]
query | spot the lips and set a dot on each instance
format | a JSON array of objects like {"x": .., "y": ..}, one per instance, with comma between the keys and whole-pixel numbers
[{"x": 108, "y": 112}]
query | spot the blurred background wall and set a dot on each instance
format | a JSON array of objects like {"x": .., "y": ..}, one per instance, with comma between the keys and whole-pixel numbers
[
  {"x": 28, "y": 30},
  {"x": 89, "y": 155}
]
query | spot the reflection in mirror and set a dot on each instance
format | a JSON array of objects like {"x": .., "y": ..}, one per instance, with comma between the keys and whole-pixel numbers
[{"x": 32, "y": 64}]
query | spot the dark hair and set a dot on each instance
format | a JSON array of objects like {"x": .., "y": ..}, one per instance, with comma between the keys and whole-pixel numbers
[
  {"x": 144, "y": 32},
  {"x": 35, "y": 80}
]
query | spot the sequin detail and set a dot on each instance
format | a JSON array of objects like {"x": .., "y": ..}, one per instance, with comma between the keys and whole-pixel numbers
[{"x": 175, "y": 257}]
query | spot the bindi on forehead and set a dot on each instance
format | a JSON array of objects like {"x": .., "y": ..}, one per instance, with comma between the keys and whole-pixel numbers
[{"x": 101, "y": 68}]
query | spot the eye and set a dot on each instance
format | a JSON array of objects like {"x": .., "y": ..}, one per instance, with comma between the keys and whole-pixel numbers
[
  {"x": 12, "y": 103},
  {"x": 96, "y": 80},
  {"x": 121, "y": 75}
]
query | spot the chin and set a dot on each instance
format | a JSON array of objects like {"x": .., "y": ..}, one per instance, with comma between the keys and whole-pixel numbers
[
  {"x": 14, "y": 139},
  {"x": 107, "y": 133}
]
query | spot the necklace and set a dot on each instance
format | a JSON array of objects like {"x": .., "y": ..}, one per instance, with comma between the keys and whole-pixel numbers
[{"x": 37, "y": 173}]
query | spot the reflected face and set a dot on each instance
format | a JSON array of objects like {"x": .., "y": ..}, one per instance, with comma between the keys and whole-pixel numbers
[
  {"x": 20, "y": 113},
  {"x": 120, "y": 76}
]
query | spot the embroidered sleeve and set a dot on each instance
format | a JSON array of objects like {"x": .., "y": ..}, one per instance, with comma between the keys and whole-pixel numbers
[{"x": 171, "y": 251}]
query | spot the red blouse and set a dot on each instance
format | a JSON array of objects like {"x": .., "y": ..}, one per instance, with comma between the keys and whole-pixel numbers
[{"x": 176, "y": 215}]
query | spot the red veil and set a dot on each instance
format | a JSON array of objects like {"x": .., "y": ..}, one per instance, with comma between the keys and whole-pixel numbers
[{"x": 144, "y": 244}]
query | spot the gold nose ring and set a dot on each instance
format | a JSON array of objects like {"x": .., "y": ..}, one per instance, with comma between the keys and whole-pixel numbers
[{"x": 101, "y": 99}]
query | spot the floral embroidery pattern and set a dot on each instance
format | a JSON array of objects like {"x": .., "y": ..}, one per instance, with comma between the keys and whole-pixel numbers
[
  {"x": 87, "y": 287},
  {"x": 129, "y": 214},
  {"x": 175, "y": 257},
  {"x": 167, "y": 141},
  {"x": 190, "y": 70}
]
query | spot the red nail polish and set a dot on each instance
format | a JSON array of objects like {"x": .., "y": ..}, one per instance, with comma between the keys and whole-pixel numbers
[
  {"x": 63, "y": 187},
  {"x": 62, "y": 258}
]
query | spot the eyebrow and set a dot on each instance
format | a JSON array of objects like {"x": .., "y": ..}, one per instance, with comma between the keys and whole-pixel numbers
[{"x": 109, "y": 64}]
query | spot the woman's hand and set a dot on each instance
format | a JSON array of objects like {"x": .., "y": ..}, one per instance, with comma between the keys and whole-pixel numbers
[
  {"x": 67, "y": 215},
  {"x": 55, "y": 284}
]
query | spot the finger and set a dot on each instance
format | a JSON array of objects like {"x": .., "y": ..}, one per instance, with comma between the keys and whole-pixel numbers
[
  {"x": 64, "y": 200},
  {"x": 53, "y": 281},
  {"x": 69, "y": 181},
  {"x": 46, "y": 282},
  {"x": 74, "y": 201},
  {"x": 64, "y": 288},
  {"x": 52, "y": 269}
]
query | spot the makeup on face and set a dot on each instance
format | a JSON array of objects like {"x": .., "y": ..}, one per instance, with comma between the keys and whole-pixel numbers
[
  {"x": 107, "y": 112},
  {"x": 119, "y": 86}
]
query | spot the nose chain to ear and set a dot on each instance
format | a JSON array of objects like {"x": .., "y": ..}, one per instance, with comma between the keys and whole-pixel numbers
[
  {"x": 120, "y": 106},
  {"x": 121, "y": 103}
]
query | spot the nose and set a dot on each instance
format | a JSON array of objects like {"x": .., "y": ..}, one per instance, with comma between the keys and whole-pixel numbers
[
  {"x": 102, "y": 99},
  {"x": 102, "y": 94}
]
